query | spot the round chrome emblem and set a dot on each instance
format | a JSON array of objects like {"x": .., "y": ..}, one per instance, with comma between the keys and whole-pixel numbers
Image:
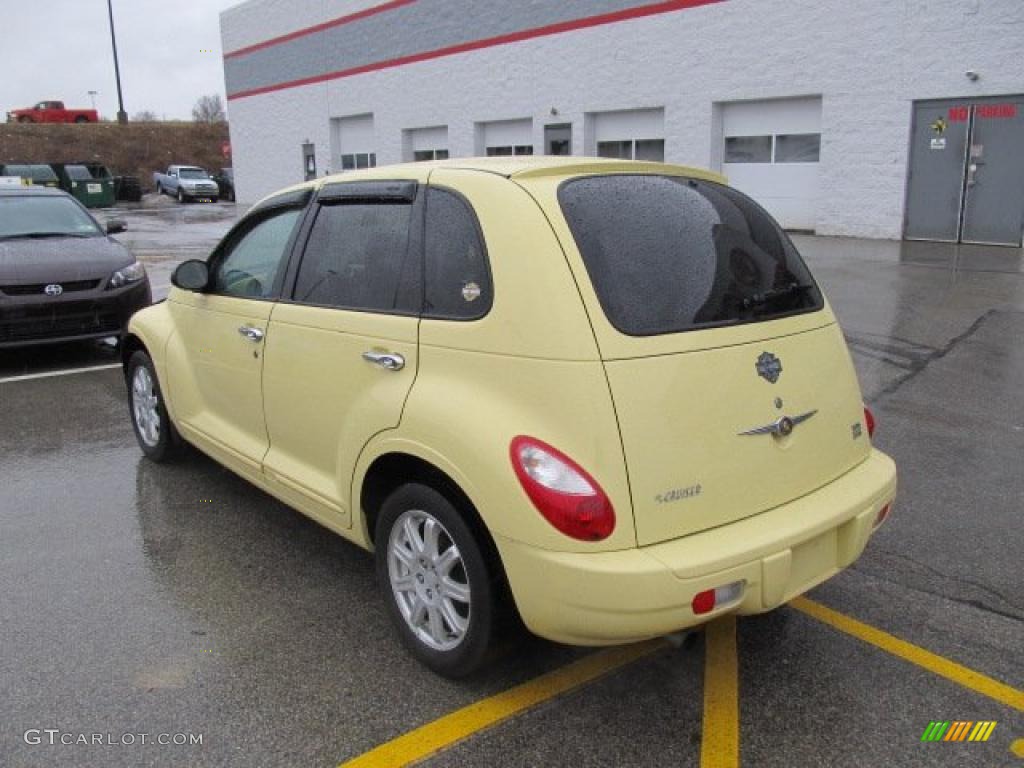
[
  {"x": 53, "y": 289},
  {"x": 785, "y": 426}
]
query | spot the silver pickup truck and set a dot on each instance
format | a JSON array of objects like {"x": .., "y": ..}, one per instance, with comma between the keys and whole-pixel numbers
[{"x": 186, "y": 182}]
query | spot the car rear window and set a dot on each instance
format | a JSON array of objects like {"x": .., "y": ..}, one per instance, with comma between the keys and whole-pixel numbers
[{"x": 668, "y": 254}]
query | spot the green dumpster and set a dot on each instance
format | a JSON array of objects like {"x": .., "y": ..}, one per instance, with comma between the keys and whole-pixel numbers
[{"x": 91, "y": 191}]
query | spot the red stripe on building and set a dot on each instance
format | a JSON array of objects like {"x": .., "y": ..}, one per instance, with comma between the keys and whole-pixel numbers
[
  {"x": 475, "y": 45},
  {"x": 342, "y": 20}
]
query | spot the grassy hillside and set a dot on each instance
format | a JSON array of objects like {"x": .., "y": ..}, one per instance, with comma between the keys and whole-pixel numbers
[{"x": 136, "y": 149}]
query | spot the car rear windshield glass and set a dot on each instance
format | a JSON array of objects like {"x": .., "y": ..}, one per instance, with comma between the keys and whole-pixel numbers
[
  {"x": 669, "y": 254},
  {"x": 44, "y": 216}
]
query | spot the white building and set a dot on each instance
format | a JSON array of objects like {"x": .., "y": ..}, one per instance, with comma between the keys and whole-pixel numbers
[{"x": 818, "y": 108}]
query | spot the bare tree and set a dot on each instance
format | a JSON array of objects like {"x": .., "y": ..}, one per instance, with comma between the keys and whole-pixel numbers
[
  {"x": 145, "y": 116},
  {"x": 209, "y": 109}
]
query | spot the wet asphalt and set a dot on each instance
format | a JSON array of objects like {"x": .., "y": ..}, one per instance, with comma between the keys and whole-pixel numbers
[{"x": 137, "y": 598}]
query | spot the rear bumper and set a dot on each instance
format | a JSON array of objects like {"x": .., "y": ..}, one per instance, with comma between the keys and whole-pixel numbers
[
  {"x": 101, "y": 314},
  {"x": 624, "y": 596}
]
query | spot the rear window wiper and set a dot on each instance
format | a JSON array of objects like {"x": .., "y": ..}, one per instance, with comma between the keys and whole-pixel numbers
[{"x": 759, "y": 299}]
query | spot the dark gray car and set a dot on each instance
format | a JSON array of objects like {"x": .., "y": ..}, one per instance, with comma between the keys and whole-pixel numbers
[{"x": 62, "y": 277}]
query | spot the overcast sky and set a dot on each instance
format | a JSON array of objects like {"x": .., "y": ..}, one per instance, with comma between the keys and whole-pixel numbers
[{"x": 169, "y": 51}]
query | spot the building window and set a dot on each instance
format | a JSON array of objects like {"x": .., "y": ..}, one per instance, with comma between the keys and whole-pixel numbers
[
  {"x": 633, "y": 149},
  {"x": 358, "y": 160},
  {"x": 748, "y": 149},
  {"x": 780, "y": 148},
  {"x": 421, "y": 155},
  {"x": 517, "y": 149},
  {"x": 797, "y": 148}
]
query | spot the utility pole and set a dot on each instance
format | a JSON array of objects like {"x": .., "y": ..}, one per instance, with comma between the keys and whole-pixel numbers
[
  {"x": 92, "y": 95},
  {"x": 122, "y": 116}
]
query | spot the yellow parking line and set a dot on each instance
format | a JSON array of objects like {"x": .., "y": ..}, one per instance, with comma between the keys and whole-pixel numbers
[
  {"x": 456, "y": 726},
  {"x": 720, "y": 743},
  {"x": 950, "y": 670}
]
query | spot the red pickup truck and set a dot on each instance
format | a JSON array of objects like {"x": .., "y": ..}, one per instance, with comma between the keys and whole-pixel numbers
[{"x": 52, "y": 112}]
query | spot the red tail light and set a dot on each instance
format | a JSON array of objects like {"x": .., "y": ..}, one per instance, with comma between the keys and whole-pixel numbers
[
  {"x": 562, "y": 491},
  {"x": 703, "y": 602},
  {"x": 709, "y": 599},
  {"x": 869, "y": 421}
]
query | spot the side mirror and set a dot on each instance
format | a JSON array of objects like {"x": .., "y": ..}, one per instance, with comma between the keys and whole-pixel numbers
[
  {"x": 173, "y": 174},
  {"x": 116, "y": 225},
  {"x": 192, "y": 275}
]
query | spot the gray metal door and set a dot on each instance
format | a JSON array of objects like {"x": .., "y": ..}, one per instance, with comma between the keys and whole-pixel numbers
[
  {"x": 938, "y": 152},
  {"x": 966, "y": 181},
  {"x": 994, "y": 200}
]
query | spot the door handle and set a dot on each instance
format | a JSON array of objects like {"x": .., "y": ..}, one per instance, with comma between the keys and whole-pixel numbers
[
  {"x": 389, "y": 361},
  {"x": 252, "y": 333}
]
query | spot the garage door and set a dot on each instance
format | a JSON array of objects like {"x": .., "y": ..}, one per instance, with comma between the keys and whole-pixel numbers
[
  {"x": 771, "y": 151},
  {"x": 505, "y": 137},
  {"x": 353, "y": 143},
  {"x": 635, "y": 134}
]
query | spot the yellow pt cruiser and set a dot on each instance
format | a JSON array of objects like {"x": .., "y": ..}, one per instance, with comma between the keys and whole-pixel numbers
[{"x": 606, "y": 396}]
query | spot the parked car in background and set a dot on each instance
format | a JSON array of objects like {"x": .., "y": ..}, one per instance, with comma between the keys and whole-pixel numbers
[
  {"x": 376, "y": 350},
  {"x": 62, "y": 277},
  {"x": 38, "y": 174},
  {"x": 226, "y": 183},
  {"x": 91, "y": 185},
  {"x": 52, "y": 112},
  {"x": 186, "y": 182}
]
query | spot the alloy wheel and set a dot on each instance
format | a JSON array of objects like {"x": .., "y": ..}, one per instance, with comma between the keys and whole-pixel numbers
[
  {"x": 429, "y": 580},
  {"x": 144, "y": 406}
]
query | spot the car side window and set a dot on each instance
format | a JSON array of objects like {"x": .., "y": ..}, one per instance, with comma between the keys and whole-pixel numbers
[
  {"x": 360, "y": 256},
  {"x": 250, "y": 263},
  {"x": 457, "y": 279}
]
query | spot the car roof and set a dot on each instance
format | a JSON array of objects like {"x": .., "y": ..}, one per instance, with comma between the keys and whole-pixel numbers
[
  {"x": 516, "y": 167},
  {"x": 547, "y": 165},
  {"x": 32, "y": 191}
]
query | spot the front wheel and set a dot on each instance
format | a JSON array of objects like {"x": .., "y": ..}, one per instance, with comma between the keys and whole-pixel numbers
[
  {"x": 81, "y": 119},
  {"x": 156, "y": 434},
  {"x": 436, "y": 583},
  {"x": 181, "y": 195}
]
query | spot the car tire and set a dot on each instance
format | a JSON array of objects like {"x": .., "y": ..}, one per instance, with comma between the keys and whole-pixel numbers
[
  {"x": 24, "y": 119},
  {"x": 181, "y": 195},
  {"x": 153, "y": 429},
  {"x": 81, "y": 119},
  {"x": 438, "y": 586},
  {"x": 159, "y": 190}
]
